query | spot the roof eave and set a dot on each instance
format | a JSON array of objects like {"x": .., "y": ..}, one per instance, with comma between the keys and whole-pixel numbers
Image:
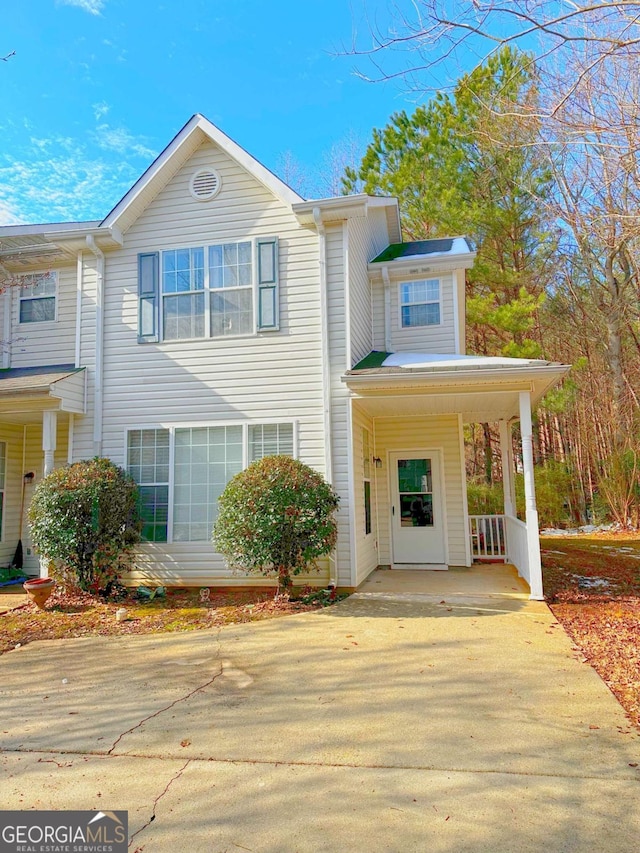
[
  {"x": 461, "y": 260},
  {"x": 372, "y": 378}
]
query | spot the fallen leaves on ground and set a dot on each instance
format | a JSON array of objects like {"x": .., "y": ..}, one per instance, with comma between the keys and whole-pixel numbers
[
  {"x": 602, "y": 620},
  {"x": 77, "y": 614}
]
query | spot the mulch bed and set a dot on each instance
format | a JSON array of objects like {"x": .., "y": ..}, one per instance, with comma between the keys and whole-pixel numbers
[
  {"x": 592, "y": 584},
  {"x": 77, "y": 614}
]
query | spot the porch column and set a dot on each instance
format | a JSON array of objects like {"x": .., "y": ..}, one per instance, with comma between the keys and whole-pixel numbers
[
  {"x": 49, "y": 429},
  {"x": 533, "y": 535},
  {"x": 507, "y": 467}
]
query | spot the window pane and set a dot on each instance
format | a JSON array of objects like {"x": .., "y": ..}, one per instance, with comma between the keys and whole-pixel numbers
[
  {"x": 37, "y": 310},
  {"x": 3, "y": 462},
  {"x": 183, "y": 316},
  {"x": 270, "y": 439},
  {"x": 148, "y": 455},
  {"x": 205, "y": 460},
  {"x": 38, "y": 284},
  {"x": 232, "y": 313},
  {"x": 366, "y": 458},
  {"x": 421, "y": 315},
  {"x": 154, "y": 508},
  {"x": 230, "y": 265}
]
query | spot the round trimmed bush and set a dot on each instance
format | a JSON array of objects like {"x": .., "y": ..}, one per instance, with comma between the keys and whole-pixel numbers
[
  {"x": 276, "y": 518},
  {"x": 84, "y": 518}
]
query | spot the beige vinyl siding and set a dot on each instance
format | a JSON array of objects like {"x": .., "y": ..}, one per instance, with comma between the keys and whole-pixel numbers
[
  {"x": 39, "y": 344},
  {"x": 365, "y": 544},
  {"x": 271, "y": 375},
  {"x": 367, "y": 237},
  {"x": 377, "y": 318},
  {"x": 83, "y": 447},
  {"x": 440, "y": 432},
  {"x": 442, "y": 338},
  {"x": 11, "y": 434},
  {"x": 427, "y": 339},
  {"x": 340, "y": 434}
]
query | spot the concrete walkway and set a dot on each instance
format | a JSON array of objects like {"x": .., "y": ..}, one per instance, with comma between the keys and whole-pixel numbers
[{"x": 414, "y": 716}]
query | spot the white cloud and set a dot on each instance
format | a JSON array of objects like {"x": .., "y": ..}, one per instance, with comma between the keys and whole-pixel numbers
[
  {"x": 119, "y": 139},
  {"x": 100, "y": 110},
  {"x": 94, "y": 7},
  {"x": 59, "y": 178}
]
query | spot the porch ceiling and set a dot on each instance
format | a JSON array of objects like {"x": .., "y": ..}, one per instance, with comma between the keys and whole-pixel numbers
[{"x": 476, "y": 407}]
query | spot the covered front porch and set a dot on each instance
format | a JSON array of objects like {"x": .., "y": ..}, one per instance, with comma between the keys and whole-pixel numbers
[
  {"x": 38, "y": 407},
  {"x": 407, "y": 447}
]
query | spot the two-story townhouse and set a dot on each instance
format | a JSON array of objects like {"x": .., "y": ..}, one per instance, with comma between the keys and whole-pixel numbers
[{"x": 214, "y": 317}]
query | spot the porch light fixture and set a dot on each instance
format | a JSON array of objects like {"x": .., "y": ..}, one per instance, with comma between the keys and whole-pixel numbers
[
  {"x": 377, "y": 461},
  {"x": 28, "y": 478}
]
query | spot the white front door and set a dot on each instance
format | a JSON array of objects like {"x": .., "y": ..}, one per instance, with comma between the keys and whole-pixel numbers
[{"x": 417, "y": 509}]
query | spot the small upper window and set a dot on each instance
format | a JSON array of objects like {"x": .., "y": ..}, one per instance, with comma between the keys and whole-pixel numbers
[
  {"x": 420, "y": 303},
  {"x": 38, "y": 297}
]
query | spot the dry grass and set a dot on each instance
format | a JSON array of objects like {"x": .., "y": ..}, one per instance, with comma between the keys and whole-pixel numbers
[{"x": 592, "y": 584}]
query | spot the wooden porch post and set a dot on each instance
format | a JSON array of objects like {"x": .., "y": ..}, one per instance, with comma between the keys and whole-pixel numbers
[{"x": 533, "y": 534}]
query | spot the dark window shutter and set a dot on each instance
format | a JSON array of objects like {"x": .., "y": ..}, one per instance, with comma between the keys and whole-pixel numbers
[
  {"x": 148, "y": 298},
  {"x": 268, "y": 284}
]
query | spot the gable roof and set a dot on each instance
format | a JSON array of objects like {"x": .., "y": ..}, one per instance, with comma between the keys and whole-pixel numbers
[{"x": 177, "y": 152}]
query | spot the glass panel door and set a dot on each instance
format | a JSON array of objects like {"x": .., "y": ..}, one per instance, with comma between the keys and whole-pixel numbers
[{"x": 415, "y": 492}]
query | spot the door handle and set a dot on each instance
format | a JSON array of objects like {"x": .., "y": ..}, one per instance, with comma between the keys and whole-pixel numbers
[{"x": 393, "y": 510}]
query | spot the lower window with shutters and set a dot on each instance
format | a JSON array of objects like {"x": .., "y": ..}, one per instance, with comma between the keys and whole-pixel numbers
[{"x": 179, "y": 501}]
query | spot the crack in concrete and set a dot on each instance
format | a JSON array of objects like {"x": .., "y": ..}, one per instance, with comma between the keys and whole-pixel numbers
[
  {"x": 174, "y": 703},
  {"x": 273, "y": 762},
  {"x": 155, "y": 804},
  {"x": 167, "y": 708}
]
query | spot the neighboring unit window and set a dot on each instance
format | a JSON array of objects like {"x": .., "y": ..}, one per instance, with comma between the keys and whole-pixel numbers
[
  {"x": 38, "y": 297},
  {"x": 148, "y": 464},
  {"x": 366, "y": 470},
  {"x": 420, "y": 303},
  {"x": 206, "y": 459},
  {"x": 3, "y": 469},
  {"x": 270, "y": 440},
  {"x": 231, "y": 285}
]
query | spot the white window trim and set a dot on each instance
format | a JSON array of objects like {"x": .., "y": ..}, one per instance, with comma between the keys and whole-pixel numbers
[
  {"x": 173, "y": 426},
  {"x": 39, "y": 323},
  {"x": 438, "y": 302},
  {"x": 207, "y": 290}
]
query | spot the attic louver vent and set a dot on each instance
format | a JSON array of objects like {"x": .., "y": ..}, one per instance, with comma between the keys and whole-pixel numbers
[{"x": 205, "y": 184}]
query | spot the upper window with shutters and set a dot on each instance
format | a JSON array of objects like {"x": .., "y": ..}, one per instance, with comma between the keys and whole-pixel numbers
[{"x": 212, "y": 291}]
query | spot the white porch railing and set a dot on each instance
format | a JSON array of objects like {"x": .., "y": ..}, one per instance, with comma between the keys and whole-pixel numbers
[
  {"x": 518, "y": 546},
  {"x": 488, "y": 537}
]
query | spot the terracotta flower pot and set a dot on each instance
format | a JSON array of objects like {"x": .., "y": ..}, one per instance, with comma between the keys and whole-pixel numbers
[{"x": 39, "y": 590}]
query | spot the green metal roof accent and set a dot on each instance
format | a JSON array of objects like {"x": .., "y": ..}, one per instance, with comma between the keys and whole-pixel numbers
[
  {"x": 374, "y": 359},
  {"x": 418, "y": 247}
]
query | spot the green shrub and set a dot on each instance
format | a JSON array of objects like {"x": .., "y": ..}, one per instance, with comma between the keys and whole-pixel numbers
[
  {"x": 276, "y": 518},
  {"x": 553, "y": 491},
  {"x": 619, "y": 487},
  {"x": 84, "y": 518},
  {"x": 485, "y": 499}
]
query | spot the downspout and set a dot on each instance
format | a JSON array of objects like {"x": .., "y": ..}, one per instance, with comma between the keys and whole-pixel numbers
[
  {"x": 78, "y": 307},
  {"x": 387, "y": 308},
  {"x": 7, "y": 319},
  {"x": 98, "y": 394},
  {"x": 326, "y": 370}
]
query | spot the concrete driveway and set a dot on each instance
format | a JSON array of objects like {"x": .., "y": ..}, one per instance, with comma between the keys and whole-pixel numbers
[{"x": 422, "y": 714}]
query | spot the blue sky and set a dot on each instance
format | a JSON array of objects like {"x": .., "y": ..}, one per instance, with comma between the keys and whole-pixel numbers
[{"x": 98, "y": 87}]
